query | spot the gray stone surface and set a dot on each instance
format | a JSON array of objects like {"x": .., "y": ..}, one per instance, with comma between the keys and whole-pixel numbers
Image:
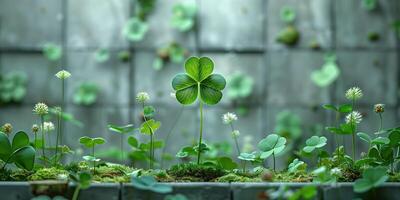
[
  {"x": 95, "y": 24},
  {"x": 231, "y": 24},
  {"x": 42, "y": 85},
  {"x": 112, "y": 77},
  {"x": 30, "y": 23},
  {"x": 354, "y": 23},
  {"x": 313, "y": 21},
  {"x": 289, "y": 81},
  {"x": 373, "y": 72}
]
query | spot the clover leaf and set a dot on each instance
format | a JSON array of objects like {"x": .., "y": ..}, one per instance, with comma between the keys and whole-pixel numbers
[
  {"x": 18, "y": 151},
  {"x": 86, "y": 94},
  {"x": 91, "y": 142},
  {"x": 369, "y": 4},
  {"x": 371, "y": 178},
  {"x": 12, "y": 87},
  {"x": 121, "y": 129},
  {"x": 287, "y": 14},
  {"x": 247, "y": 156},
  {"x": 150, "y": 127},
  {"x": 183, "y": 16},
  {"x": 328, "y": 73},
  {"x": 297, "y": 165},
  {"x": 135, "y": 29},
  {"x": 272, "y": 144},
  {"x": 198, "y": 81},
  {"x": 313, "y": 143},
  {"x": 227, "y": 163},
  {"x": 239, "y": 86},
  {"x": 52, "y": 51},
  {"x": 102, "y": 55},
  {"x": 150, "y": 183}
]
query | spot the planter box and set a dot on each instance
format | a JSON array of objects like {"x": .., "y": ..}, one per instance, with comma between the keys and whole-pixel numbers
[
  {"x": 15, "y": 190},
  {"x": 388, "y": 191},
  {"x": 193, "y": 191},
  {"x": 258, "y": 190}
]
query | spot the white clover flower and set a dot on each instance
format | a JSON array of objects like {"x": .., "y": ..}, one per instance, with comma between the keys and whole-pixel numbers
[
  {"x": 354, "y": 117},
  {"x": 354, "y": 93},
  {"x": 235, "y": 133},
  {"x": 379, "y": 108},
  {"x": 336, "y": 171},
  {"x": 7, "y": 128},
  {"x": 41, "y": 109},
  {"x": 63, "y": 74},
  {"x": 48, "y": 126},
  {"x": 35, "y": 128},
  {"x": 62, "y": 176},
  {"x": 228, "y": 117},
  {"x": 142, "y": 97}
]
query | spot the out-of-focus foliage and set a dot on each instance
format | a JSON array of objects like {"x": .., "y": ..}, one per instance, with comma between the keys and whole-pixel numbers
[
  {"x": 174, "y": 52},
  {"x": 52, "y": 51},
  {"x": 328, "y": 73},
  {"x": 102, "y": 55},
  {"x": 183, "y": 16},
  {"x": 12, "y": 87},
  {"x": 86, "y": 94},
  {"x": 239, "y": 86}
]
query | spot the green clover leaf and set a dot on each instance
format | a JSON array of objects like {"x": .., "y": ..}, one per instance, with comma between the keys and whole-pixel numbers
[
  {"x": 372, "y": 177},
  {"x": 247, "y": 156},
  {"x": 150, "y": 127},
  {"x": 18, "y": 151},
  {"x": 135, "y": 29},
  {"x": 313, "y": 143},
  {"x": 52, "y": 51},
  {"x": 183, "y": 16},
  {"x": 327, "y": 74},
  {"x": 272, "y": 144},
  {"x": 239, "y": 85},
  {"x": 297, "y": 165},
  {"x": 287, "y": 14},
  {"x": 91, "y": 142},
  {"x": 198, "y": 81}
]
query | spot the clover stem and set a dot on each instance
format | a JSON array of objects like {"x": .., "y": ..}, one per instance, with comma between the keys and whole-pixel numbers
[
  {"x": 169, "y": 133},
  {"x": 337, "y": 126},
  {"x": 353, "y": 128},
  {"x": 273, "y": 156},
  {"x": 76, "y": 192},
  {"x": 201, "y": 132},
  {"x": 43, "y": 143},
  {"x": 121, "y": 141},
  {"x": 381, "y": 122},
  {"x": 58, "y": 135},
  {"x": 151, "y": 140},
  {"x": 94, "y": 162},
  {"x": 244, "y": 166},
  {"x": 235, "y": 138}
]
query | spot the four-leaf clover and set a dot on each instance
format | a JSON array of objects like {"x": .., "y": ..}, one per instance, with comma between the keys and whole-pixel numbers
[{"x": 198, "y": 81}]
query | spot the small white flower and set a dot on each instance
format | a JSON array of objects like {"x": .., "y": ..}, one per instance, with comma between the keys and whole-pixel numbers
[
  {"x": 48, "y": 126},
  {"x": 235, "y": 133},
  {"x": 41, "y": 109},
  {"x": 379, "y": 108},
  {"x": 35, "y": 128},
  {"x": 62, "y": 176},
  {"x": 142, "y": 97},
  {"x": 354, "y": 117},
  {"x": 336, "y": 171},
  {"x": 354, "y": 93},
  {"x": 173, "y": 94},
  {"x": 228, "y": 117},
  {"x": 63, "y": 74}
]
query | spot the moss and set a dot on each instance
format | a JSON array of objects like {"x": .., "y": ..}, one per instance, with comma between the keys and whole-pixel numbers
[
  {"x": 21, "y": 175},
  {"x": 160, "y": 175},
  {"x": 5, "y": 175},
  {"x": 300, "y": 176},
  {"x": 113, "y": 173},
  {"x": 349, "y": 175},
  {"x": 195, "y": 173},
  {"x": 47, "y": 174},
  {"x": 232, "y": 177},
  {"x": 289, "y": 36}
]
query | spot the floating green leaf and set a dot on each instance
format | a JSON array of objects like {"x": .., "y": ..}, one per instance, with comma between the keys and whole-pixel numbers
[
  {"x": 86, "y": 94},
  {"x": 198, "y": 79},
  {"x": 183, "y": 16},
  {"x": 287, "y": 14},
  {"x": 102, "y": 55},
  {"x": 369, "y": 4},
  {"x": 52, "y": 51},
  {"x": 135, "y": 29},
  {"x": 12, "y": 87},
  {"x": 239, "y": 86},
  {"x": 328, "y": 73}
]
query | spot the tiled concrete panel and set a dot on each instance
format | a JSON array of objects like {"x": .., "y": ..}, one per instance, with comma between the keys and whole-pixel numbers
[
  {"x": 156, "y": 83},
  {"x": 30, "y": 23},
  {"x": 374, "y": 72},
  {"x": 160, "y": 30},
  {"x": 312, "y": 21},
  {"x": 231, "y": 24},
  {"x": 179, "y": 122},
  {"x": 250, "y": 125},
  {"x": 252, "y": 65},
  {"x": 95, "y": 120},
  {"x": 42, "y": 84},
  {"x": 112, "y": 77},
  {"x": 353, "y": 23},
  {"x": 21, "y": 118},
  {"x": 93, "y": 23},
  {"x": 289, "y": 78}
]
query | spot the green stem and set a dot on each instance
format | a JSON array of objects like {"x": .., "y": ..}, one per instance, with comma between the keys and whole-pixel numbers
[
  {"x": 337, "y": 126},
  {"x": 58, "y": 136},
  {"x": 244, "y": 166},
  {"x": 353, "y": 142},
  {"x": 273, "y": 155},
  {"x": 62, "y": 108},
  {"x": 151, "y": 141},
  {"x": 201, "y": 132},
  {"x": 381, "y": 123},
  {"x": 76, "y": 192},
  {"x": 235, "y": 138},
  {"x": 122, "y": 146},
  {"x": 169, "y": 133},
  {"x": 94, "y": 162},
  {"x": 43, "y": 142}
]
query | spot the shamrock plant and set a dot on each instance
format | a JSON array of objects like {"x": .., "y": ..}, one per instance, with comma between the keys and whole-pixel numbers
[
  {"x": 297, "y": 165},
  {"x": 52, "y": 52},
  {"x": 149, "y": 126},
  {"x": 122, "y": 130},
  {"x": 19, "y": 151},
  {"x": 150, "y": 183},
  {"x": 135, "y": 29},
  {"x": 102, "y": 55},
  {"x": 183, "y": 16},
  {"x": 173, "y": 52},
  {"x": 314, "y": 143},
  {"x": 82, "y": 181},
  {"x": 328, "y": 73},
  {"x": 248, "y": 157},
  {"x": 90, "y": 143},
  {"x": 371, "y": 178},
  {"x": 273, "y": 144},
  {"x": 239, "y": 86},
  {"x": 198, "y": 81},
  {"x": 12, "y": 87}
]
